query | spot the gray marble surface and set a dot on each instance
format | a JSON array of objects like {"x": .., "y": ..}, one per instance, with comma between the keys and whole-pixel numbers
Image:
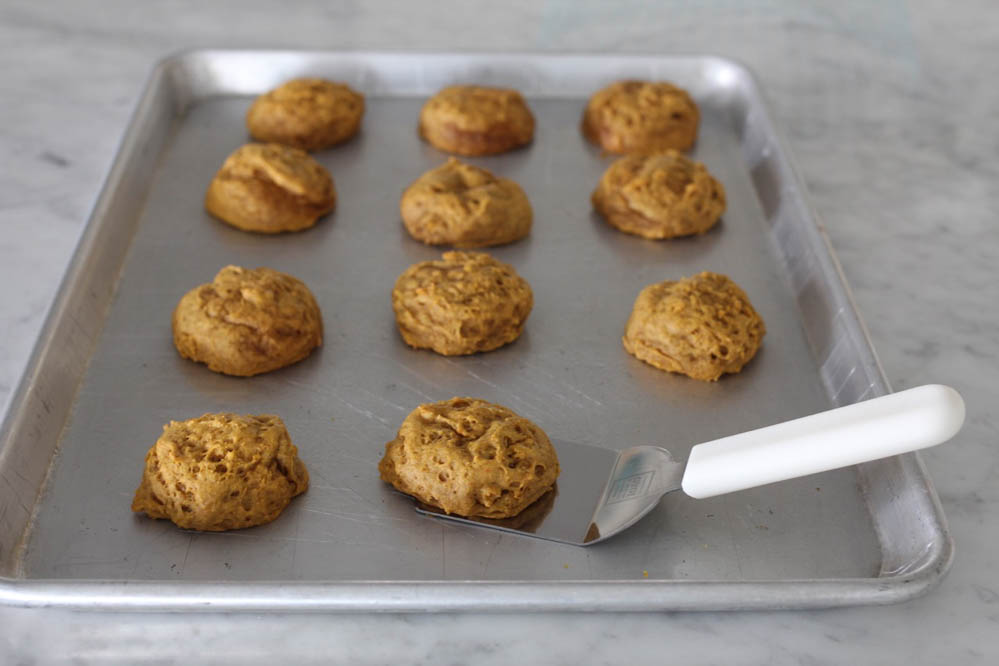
[{"x": 893, "y": 115}]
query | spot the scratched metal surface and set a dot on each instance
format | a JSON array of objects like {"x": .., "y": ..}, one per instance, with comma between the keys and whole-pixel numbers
[{"x": 568, "y": 372}]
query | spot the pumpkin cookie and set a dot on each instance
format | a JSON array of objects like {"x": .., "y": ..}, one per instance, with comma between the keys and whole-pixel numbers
[
  {"x": 641, "y": 117},
  {"x": 702, "y": 326},
  {"x": 246, "y": 322},
  {"x": 310, "y": 114},
  {"x": 531, "y": 518},
  {"x": 221, "y": 472},
  {"x": 659, "y": 196},
  {"x": 474, "y": 120},
  {"x": 270, "y": 188},
  {"x": 465, "y": 303},
  {"x": 471, "y": 458},
  {"x": 465, "y": 206}
]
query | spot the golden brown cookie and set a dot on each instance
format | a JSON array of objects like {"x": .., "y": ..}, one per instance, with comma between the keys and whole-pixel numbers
[
  {"x": 471, "y": 458},
  {"x": 221, "y": 472},
  {"x": 531, "y": 518},
  {"x": 474, "y": 120},
  {"x": 270, "y": 188},
  {"x": 659, "y": 196},
  {"x": 310, "y": 114},
  {"x": 702, "y": 326},
  {"x": 641, "y": 117},
  {"x": 246, "y": 322},
  {"x": 465, "y": 206},
  {"x": 465, "y": 303}
]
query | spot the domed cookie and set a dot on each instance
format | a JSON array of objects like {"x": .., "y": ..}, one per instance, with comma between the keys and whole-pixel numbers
[
  {"x": 221, "y": 472},
  {"x": 471, "y": 458},
  {"x": 641, "y": 117},
  {"x": 702, "y": 326},
  {"x": 270, "y": 188},
  {"x": 656, "y": 196},
  {"x": 466, "y": 302},
  {"x": 465, "y": 206},
  {"x": 246, "y": 322},
  {"x": 475, "y": 120},
  {"x": 311, "y": 114}
]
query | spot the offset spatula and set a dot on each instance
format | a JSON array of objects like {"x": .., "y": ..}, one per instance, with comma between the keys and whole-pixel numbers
[{"x": 588, "y": 505}]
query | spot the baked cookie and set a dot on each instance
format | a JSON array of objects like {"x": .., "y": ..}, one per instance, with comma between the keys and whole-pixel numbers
[
  {"x": 246, "y": 322},
  {"x": 531, "y": 518},
  {"x": 641, "y": 117},
  {"x": 221, "y": 472},
  {"x": 474, "y": 120},
  {"x": 465, "y": 206},
  {"x": 310, "y": 114},
  {"x": 702, "y": 326},
  {"x": 270, "y": 188},
  {"x": 471, "y": 458},
  {"x": 465, "y": 303},
  {"x": 659, "y": 196}
]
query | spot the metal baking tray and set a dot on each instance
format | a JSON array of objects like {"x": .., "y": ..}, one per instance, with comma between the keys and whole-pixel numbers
[{"x": 104, "y": 376}]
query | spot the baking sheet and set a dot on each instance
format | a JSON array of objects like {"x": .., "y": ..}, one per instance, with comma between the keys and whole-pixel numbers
[{"x": 351, "y": 542}]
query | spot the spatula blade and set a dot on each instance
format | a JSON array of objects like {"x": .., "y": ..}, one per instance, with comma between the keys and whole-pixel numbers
[{"x": 599, "y": 493}]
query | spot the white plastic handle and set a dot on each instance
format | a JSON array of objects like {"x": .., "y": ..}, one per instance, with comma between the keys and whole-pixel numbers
[{"x": 858, "y": 433}]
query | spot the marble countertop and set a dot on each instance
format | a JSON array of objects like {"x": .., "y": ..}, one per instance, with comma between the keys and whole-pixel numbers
[{"x": 892, "y": 114}]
